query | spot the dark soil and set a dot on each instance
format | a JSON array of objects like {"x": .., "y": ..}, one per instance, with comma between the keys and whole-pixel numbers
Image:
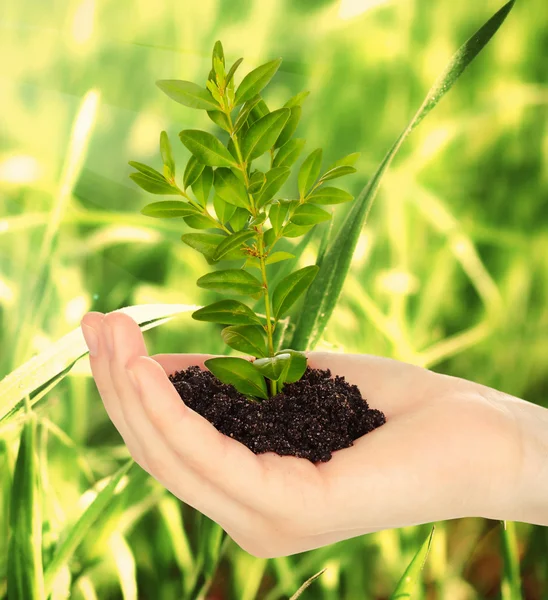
[{"x": 310, "y": 419}]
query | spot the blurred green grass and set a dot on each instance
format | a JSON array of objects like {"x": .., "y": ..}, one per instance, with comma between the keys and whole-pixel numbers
[{"x": 451, "y": 271}]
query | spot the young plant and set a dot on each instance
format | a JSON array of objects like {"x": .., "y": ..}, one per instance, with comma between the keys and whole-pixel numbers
[{"x": 248, "y": 215}]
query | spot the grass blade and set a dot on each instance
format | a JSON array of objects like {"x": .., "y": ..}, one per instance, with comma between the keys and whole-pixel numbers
[
  {"x": 25, "y": 574},
  {"x": 306, "y": 584},
  {"x": 409, "y": 579},
  {"x": 325, "y": 290},
  {"x": 124, "y": 562},
  {"x": 82, "y": 527},
  {"x": 49, "y": 367},
  {"x": 511, "y": 583}
]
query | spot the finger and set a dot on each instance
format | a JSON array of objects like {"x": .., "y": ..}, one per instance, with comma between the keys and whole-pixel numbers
[{"x": 101, "y": 375}]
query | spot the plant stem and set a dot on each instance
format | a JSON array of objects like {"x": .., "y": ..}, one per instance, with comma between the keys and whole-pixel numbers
[{"x": 204, "y": 210}]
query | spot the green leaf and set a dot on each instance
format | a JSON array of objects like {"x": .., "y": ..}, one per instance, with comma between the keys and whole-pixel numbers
[
  {"x": 309, "y": 171},
  {"x": 202, "y": 186},
  {"x": 167, "y": 155},
  {"x": 258, "y": 220},
  {"x": 297, "y": 367},
  {"x": 169, "y": 209},
  {"x": 290, "y": 127},
  {"x": 188, "y": 93},
  {"x": 329, "y": 195},
  {"x": 206, "y": 244},
  {"x": 231, "y": 188},
  {"x": 275, "y": 178},
  {"x": 207, "y": 148},
  {"x": 277, "y": 215},
  {"x": 258, "y": 111},
  {"x": 223, "y": 210},
  {"x": 232, "y": 242},
  {"x": 276, "y": 257},
  {"x": 337, "y": 172},
  {"x": 232, "y": 70},
  {"x": 154, "y": 186},
  {"x": 193, "y": 170},
  {"x": 291, "y": 230},
  {"x": 218, "y": 53},
  {"x": 256, "y": 182},
  {"x": 227, "y": 312},
  {"x": 408, "y": 582},
  {"x": 324, "y": 293},
  {"x": 256, "y": 80},
  {"x": 146, "y": 170},
  {"x": 269, "y": 237},
  {"x": 290, "y": 288},
  {"x": 245, "y": 112},
  {"x": 262, "y": 135},
  {"x": 219, "y": 118},
  {"x": 24, "y": 566},
  {"x": 239, "y": 220},
  {"x": 308, "y": 214},
  {"x": 296, "y": 100},
  {"x": 249, "y": 339},
  {"x": 274, "y": 367},
  {"x": 199, "y": 222},
  {"x": 84, "y": 526},
  {"x": 231, "y": 281},
  {"x": 346, "y": 161},
  {"x": 306, "y": 584},
  {"x": 288, "y": 154},
  {"x": 240, "y": 373}
]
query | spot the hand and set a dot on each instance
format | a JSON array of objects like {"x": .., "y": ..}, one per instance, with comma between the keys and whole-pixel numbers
[{"x": 450, "y": 448}]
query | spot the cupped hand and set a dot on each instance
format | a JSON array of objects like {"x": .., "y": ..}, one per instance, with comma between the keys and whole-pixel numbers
[{"x": 449, "y": 449}]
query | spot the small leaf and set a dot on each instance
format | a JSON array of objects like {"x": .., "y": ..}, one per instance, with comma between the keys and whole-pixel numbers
[
  {"x": 262, "y": 135},
  {"x": 308, "y": 214},
  {"x": 346, "y": 161},
  {"x": 269, "y": 237},
  {"x": 207, "y": 148},
  {"x": 154, "y": 186},
  {"x": 231, "y": 281},
  {"x": 256, "y": 80},
  {"x": 223, "y": 210},
  {"x": 244, "y": 112},
  {"x": 249, "y": 339},
  {"x": 218, "y": 53},
  {"x": 274, "y": 367},
  {"x": 188, "y": 93},
  {"x": 227, "y": 312},
  {"x": 296, "y": 100},
  {"x": 258, "y": 111},
  {"x": 278, "y": 257},
  {"x": 169, "y": 209},
  {"x": 232, "y": 242},
  {"x": 408, "y": 582},
  {"x": 232, "y": 70},
  {"x": 289, "y": 289},
  {"x": 256, "y": 182},
  {"x": 231, "y": 188},
  {"x": 165, "y": 151},
  {"x": 193, "y": 170},
  {"x": 329, "y": 195},
  {"x": 275, "y": 178},
  {"x": 199, "y": 222},
  {"x": 240, "y": 218},
  {"x": 291, "y": 230},
  {"x": 277, "y": 215},
  {"x": 240, "y": 373},
  {"x": 202, "y": 186},
  {"x": 219, "y": 118},
  {"x": 288, "y": 154},
  {"x": 309, "y": 171},
  {"x": 290, "y": 127},
  {"x": 146, "y": 170},
  {"x": 297, "y": 367},
  {"x": 258, "y": 220},
  {"x": 206, "y": 244},
  {"x": 337, "y": 172}
]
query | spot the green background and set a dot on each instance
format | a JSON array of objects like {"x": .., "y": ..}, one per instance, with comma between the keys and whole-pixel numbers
[{"x": 451, "y": 271}]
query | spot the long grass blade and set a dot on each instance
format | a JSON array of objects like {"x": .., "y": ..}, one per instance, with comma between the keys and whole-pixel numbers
[
  {"x": 409, "y": 580},
  {"x": 83, "y": 526},
  {"x": 124, "y": 562},
  {"x": 25, "y": 573},
  {"x": 49, "y": 367},
  {"x": 324, "y": 292},
  {"x": 511, "y": 583},
  {"x": 306, "y": 584}
]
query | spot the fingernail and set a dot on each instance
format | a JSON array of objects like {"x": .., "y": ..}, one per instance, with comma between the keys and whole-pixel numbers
[
  {"x": 109, "y": 341},
  {"x": 133, "y": 379},
  {"x": 92, "y": 339}
]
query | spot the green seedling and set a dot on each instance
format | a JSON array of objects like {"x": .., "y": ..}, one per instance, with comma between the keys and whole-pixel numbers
[{"x": 234, "y": 191}]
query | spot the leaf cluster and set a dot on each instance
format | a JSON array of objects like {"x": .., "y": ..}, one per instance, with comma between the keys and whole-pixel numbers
[{"x": 233, "y": 192}]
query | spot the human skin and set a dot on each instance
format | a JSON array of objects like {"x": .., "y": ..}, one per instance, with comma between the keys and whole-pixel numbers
[{"x": 450, "y": 448}]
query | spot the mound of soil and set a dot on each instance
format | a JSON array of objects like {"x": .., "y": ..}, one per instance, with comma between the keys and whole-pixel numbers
[{"x": 310, "y": 419}]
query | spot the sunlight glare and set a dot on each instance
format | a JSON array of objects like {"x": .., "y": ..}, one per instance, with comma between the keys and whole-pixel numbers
[
  {"x": 349, "y": 9},
  {"x": 20, "y": 169}
]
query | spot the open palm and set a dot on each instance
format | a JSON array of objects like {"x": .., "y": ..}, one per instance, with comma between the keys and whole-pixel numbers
[{"x": 446, "y": 450}]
